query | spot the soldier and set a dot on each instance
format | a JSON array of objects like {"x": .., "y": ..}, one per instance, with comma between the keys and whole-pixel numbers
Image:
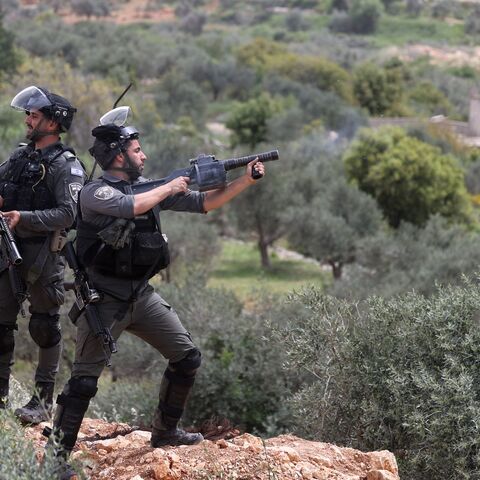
[
  {"x": 119, "y": 269},
  {"x": 39, "y": 187}
]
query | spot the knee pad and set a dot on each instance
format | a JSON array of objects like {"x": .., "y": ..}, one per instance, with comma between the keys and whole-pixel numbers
[
  {"x": 83, "y": 387},
  {"x": 7, "y": 339},
  {"x": 45, "y": 329},
  {"x": 188, "y": 365}
]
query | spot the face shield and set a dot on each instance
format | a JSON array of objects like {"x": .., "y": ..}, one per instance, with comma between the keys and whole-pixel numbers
[
  {"x": 30, "y": 98},
  {"x": 118, "y": 116}
]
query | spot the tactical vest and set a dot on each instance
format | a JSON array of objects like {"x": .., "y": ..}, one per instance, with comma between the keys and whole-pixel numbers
[
  {"x": 144, "y": 254},
  {"x": 24, "y": 185}
]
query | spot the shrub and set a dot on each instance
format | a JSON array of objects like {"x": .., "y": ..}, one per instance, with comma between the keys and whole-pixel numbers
[
  {"x": 19, "y": 460},
  {"x": 400, "y": 374},
  {"x": 410, "y": 180}
]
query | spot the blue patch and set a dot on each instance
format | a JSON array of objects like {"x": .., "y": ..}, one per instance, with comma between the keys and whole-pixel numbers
[{"x": 77, "y": 172}]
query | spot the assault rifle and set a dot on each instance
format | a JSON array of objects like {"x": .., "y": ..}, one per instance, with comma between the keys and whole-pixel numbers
[
  {"x": 13, "y": 259},
  {"x": 207, "y": 172},
  {"x": 11, "y": 248},
  {"x": 85, "y": 300}
]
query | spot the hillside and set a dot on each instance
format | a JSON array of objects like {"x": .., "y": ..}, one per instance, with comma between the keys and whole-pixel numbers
[{"x": 119, "y": 452}]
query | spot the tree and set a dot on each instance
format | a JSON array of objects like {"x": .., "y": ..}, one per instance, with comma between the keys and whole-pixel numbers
[
  {"x": 362, "y": 17},
  {"x": 331, "y": 227},
  {"x": 392, "y": 262},
  {"x": 377, "y": 89},
  {"x": 410, "y": 180},
  {"x": 89, "y": 8},
  {"x": 261, "y": 209},
  {"x": 248, "y": 121},
  {"x": 9, "y": 59}
]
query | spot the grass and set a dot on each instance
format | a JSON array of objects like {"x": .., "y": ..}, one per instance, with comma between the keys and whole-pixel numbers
[
  {"x": 399, "y": 30},
  {"x": 238, "y": 269}
]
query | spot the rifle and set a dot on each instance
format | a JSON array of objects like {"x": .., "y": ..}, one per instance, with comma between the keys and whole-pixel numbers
[
  {"x": 14, "y": 259},
  {"x": 85, "y": 299},
  {"x": 11, "y": 248},
  {"x": 207, "y": 172}
]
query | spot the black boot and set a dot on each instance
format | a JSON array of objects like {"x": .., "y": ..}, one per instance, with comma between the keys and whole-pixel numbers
[
  {"x": 175, "y": 388},
  {"x": 162, "y": 437},
  {"x": 4, "y": 393},
  {"x": 39, "y": 408}
]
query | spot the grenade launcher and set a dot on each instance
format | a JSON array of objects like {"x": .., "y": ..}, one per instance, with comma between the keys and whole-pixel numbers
[{"x": 207, "y": 172}]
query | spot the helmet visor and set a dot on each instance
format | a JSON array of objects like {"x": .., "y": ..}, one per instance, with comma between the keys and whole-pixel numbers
[
  {"x": 118, "y": 116},
  {"x": 30, "y": 98}
]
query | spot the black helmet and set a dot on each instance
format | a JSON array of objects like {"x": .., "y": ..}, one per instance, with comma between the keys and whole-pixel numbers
[
  {"x": 53, "y": 106},
  {"x": 111, "y": 136}
]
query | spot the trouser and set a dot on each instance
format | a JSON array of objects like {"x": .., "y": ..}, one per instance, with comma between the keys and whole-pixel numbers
[
  {"x": 46, "y": 295},
  {"x": 150, "y": 318}
]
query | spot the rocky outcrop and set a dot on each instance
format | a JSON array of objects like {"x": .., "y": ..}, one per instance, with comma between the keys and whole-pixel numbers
[{"x": 119, "y": 452}]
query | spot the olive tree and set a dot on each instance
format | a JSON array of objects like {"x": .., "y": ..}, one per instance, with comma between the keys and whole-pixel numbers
[{"x": 411, "y": 180}]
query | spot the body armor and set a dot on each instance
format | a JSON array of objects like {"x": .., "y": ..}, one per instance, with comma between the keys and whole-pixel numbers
[
  {"x": 24, "y": 185},
  {"x": 144, "y": 251}
]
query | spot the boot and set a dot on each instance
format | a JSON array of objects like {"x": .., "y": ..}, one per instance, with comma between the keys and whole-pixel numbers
[
  {"x": 4, "y": 393},
  {"x": 64, "y": 471},
  {"x": 39, "y": 408},
  {"x": 174, "y": 392},
  {"x": 174, "y": 437}
]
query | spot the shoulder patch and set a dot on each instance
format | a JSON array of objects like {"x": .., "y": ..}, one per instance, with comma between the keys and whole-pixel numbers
[
  {"x": 74, "y": 188},
  {"x": 104, "y": 193},
  {"x": 77, "y": 172}
]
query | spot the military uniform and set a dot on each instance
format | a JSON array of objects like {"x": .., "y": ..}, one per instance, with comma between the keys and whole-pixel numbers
[
  {"x": 43, "y": 185},
  {"x": 128, "y": 302}
]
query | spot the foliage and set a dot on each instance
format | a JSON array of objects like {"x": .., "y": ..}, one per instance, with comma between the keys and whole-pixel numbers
[
  {"x": 89, "y": 8},
  {"x": 241, "y": 377},
  {"x": 392, "y": 262},
  {"x": 361, "y": 17},
  {"x": 19, "y": 460},
  {"x": 399, "y": 374},
  {"x": 379, "y": 90},
  {"x": 410, "y": 180},
  {"x": 9, "y": 59},
  {"x": 237, "y": 269},
  {"x": 268, "y": 57},
  {"x": 178, "y": 96},
  {"x": 472, "y": 22},
  {"x": 248, "y": 121},
  {"x": 428, "y": 100},
  {"x": 331, "y": 227}
]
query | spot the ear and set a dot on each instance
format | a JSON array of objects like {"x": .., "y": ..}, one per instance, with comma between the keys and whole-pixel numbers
[{"x": 53, "y": 126}]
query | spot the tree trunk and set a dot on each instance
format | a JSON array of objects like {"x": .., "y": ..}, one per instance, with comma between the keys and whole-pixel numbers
[
  {"x": 265, "y": 259},
  {"x": 336, "y": 269}
]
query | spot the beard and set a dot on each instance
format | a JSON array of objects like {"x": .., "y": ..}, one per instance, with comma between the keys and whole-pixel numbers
[{"x": 132, "y": 170}]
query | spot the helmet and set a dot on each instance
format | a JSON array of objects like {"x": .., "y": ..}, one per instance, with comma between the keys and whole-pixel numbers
[
  {"x": 53, "y": 106},
  {"x": 111, "y": 136}
]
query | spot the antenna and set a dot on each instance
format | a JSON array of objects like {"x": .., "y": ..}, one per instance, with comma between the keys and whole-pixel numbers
[
  {"x": 122, "y": 95},
  {"x": 114, "y": 106}
]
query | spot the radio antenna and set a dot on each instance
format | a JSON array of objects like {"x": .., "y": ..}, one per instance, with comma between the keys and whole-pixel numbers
[{"x": 122, "y": 95}]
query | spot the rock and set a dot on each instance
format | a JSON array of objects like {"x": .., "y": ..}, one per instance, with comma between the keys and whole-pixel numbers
[
  {"x": 381, "y": 475},
  {"x": 115, "y": 452}
]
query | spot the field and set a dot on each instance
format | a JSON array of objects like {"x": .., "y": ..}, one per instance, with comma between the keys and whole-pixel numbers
[{"x": 238, "y": 269}]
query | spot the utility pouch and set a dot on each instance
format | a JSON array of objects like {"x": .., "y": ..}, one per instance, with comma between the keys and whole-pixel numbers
[
  {"x": 151, "y": 249},
  {"x": 58, "y": 240}
]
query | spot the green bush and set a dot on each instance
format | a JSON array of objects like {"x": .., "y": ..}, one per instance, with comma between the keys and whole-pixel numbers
[
  {"x": 19, "y": 460},
  {"x": 410, "y": 180},
  {"x": 400, "y": 374}
]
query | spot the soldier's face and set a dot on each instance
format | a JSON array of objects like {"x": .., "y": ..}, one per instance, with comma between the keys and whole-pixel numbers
[
  {"x": 136, "y": 156},
  {"x": 38, "y": 125}
]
